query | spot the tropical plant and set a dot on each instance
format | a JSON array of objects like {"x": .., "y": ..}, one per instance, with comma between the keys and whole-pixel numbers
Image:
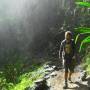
[
  {"x": 83, "y": 4},
  {"x": 83, "y": 30}
]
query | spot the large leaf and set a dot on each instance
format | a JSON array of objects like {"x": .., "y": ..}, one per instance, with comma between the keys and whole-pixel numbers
[
  {"x": 86, "y": 40},
  {"x": 83, "y": 30},
  {"x": 85, "y": 4},
  {"x": 80, "y": 31}
]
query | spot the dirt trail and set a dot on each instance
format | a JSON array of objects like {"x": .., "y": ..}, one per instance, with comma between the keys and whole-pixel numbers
[{"x": 57, "y": 82}]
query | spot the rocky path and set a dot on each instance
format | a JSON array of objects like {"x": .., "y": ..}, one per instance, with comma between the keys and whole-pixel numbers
[
  {"x": 56, "y": 82},
  {"x": 54, "y": 79}
]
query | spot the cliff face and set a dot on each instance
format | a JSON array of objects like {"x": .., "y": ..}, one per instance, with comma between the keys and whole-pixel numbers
[
  {"x": 66, "y": 3},
  {"x": 37, "y": 26}
]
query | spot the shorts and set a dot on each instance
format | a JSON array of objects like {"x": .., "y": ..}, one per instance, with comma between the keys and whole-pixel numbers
[{"x": 69, "y": 65}]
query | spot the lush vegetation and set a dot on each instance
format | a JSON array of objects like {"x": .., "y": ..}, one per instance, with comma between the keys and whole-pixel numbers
[
  {"x": 86, "y": 61},
  {"x": 83, "y": 30},
  {"x": 83, "y": 4},
  {"x": 10, "y": 79},
  {"x": 20, "y": 44},
  {"x": 85, "y": 42}
]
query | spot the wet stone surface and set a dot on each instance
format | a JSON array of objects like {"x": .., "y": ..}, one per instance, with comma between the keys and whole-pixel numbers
[{"x": 54, "y": 79}]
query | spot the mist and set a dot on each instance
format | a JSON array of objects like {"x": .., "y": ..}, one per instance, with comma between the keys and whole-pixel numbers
[{"x": 26, "y": 25}]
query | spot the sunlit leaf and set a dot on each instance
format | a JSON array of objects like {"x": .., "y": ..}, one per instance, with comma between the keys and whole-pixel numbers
[
  {"x": 85, "y": 4},
  {"x": 86, "y": 40},
  {"x": 83, "y": 30}
]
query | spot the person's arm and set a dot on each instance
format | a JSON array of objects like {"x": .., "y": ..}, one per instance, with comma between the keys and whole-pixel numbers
[
  {"x": 74, "y": 50},
  {"x": 60, "y": 51},
  {"x": 76, "y": 53}
]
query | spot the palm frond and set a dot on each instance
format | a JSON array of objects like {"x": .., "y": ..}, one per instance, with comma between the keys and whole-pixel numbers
[
  {"x": 86, "y": 40},
  {"x": 85, "y": 4}
]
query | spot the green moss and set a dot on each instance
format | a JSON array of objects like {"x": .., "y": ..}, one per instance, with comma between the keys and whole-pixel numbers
[{"x": 26, "y": 79}]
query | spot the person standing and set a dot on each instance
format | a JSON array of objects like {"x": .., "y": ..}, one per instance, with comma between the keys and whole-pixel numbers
[{"x": 67, "y": 54}]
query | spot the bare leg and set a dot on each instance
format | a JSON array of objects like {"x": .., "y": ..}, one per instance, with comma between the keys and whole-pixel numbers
[
  {"x": 70, "y": 74},
  {"x": 66, "y": 76}
]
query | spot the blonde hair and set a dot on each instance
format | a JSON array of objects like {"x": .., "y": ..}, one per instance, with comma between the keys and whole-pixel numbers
[{"x": 68, "y": 32}]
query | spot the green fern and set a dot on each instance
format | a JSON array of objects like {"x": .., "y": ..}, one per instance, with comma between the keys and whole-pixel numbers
[
  {"x": 85, "y": 4},
  {"x": 86, "y": 40},
  {"x": 82, "y": 31}
]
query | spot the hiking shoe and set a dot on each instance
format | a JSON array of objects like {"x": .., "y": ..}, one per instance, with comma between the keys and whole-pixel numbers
[
  {"x": 70, "y": 80},
  {"x": 65, "y": 86}
]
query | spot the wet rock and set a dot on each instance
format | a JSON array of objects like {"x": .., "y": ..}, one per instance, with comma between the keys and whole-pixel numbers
[
  {"x": 53, "y": 74},
  {"x": 41, "y": 85},
  {"x": 54, "y": 67},
  {"x": 88, "y": 79},
  {"x": 50, "y": 69},
  {"x": 84, "y": 75},
  {"x": 46, "y": 66},
  {"x": 47, "y": 77}
]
